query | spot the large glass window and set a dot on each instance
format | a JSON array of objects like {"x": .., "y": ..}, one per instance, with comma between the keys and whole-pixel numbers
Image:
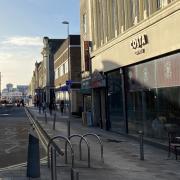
[
  {"x": 155, "y": 108},
  {"x": 115, "y": 101}
]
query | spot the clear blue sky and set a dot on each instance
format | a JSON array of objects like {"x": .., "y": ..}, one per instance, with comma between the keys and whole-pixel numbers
[{"x": 23, "y": 23}]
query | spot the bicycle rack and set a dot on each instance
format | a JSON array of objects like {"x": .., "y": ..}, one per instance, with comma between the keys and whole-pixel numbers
[
  {"x": 67, "y": 141},
  {"x": 99, "y": 140},
  {"x": 88, "y": 147}
]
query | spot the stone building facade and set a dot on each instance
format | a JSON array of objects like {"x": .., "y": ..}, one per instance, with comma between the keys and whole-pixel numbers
[
  {"x": 67, "y": 69},
  {"x": 135, "y": 56},
  {"x": 49, "y": 49}
]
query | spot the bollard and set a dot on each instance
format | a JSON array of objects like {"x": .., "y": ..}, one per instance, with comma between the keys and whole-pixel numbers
[
  {"x": 141, "y": 145},
  {"x": 45, "y": 116},
  {"x": 68, "y": 128},
  {"x": 54, "y": 121},
  {"x": 33, "y": 161},
  {"x": 53, "y": 164},
  {"x": 77, "y": 175},
  {"x": 72, "y": 174}
]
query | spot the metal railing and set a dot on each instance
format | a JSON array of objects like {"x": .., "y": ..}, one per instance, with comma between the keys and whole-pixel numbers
[{"x": 99, "y": 140}]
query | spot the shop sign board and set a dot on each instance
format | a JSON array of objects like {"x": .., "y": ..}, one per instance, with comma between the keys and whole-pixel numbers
[
  {"x": 138, "y": 44},
  {"x": 98, "y": 80},
  {"x": 86, "y": 56}
]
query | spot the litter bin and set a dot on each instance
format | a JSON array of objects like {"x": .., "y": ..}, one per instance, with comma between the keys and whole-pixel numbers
[{"x": 89, "y": 118}]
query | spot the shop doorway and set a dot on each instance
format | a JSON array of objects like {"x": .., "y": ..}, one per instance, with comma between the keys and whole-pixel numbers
[{"x": 115, "y": 99}]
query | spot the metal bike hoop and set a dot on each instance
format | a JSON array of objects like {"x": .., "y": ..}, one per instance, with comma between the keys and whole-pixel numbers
[
  {"x": 100, "y": 142},
  {"x": 80, "y": 150}
]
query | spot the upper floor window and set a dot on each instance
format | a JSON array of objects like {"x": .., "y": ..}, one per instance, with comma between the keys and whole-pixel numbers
[
  {"x": 56, "y": 74},
  {"x": 84, "y": 23},
  {"x": 66, "y": 67},
  {"x": 161, "y": 3},
  {"x": 135, "y": 11},
  {"x": 61, "y": 70}
]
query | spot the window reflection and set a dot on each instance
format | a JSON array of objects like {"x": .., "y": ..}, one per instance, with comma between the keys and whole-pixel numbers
[{"x": 115, "y": 101}]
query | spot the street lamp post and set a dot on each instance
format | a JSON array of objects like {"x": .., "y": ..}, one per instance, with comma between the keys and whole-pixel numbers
[{"x": 69, "y": 77}]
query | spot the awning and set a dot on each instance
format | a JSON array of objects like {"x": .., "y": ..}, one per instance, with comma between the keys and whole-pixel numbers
[
  {"x": 62, "y": 88},
  {"x": 85, "y": 91},
  {"x": 73, "y": 86}
]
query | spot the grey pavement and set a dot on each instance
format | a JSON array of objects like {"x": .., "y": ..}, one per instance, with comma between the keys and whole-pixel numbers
[
  {"x": 14, "y": 126},
  {"x": 121, "y": 156}
]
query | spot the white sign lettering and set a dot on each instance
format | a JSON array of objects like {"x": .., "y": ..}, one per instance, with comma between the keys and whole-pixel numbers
[{"x": 139, "y": 42}]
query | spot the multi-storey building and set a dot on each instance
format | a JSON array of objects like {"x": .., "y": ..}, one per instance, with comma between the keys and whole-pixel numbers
[
  {"x": 67, "y": 67},
  {"x": 49, "y": 49},
  {"x": 86, "y": 38},
  {"x": 31, "y": 89},
  {"x": 13, "y": 95},
  {"x": 36, "y": 87},
  {"x": 135, "y": 60}
]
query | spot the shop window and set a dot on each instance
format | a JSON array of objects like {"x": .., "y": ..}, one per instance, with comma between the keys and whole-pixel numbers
[{"x": 155, "y": 110}]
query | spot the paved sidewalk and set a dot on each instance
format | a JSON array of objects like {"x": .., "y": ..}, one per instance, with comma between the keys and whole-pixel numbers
[{"x": 121, "y": 155}]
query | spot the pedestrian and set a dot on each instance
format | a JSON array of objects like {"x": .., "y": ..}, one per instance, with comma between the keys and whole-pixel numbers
[
  {"x": 40, "y": 106},
  {"x": 50, "y": 107},
  {"x": 62, "y": 106},
  {"x": 22, "y": 102},
  {"x": 44, "y": 106}
]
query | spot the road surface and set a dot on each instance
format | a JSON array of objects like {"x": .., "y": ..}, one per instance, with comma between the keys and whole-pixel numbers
[{"x": 14, "y": 129}]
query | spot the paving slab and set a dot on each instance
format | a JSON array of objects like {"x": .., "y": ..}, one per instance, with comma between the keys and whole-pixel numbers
[{"x": 121, "y": 156}]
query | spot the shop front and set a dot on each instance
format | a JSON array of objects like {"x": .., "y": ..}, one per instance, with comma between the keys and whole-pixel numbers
[
  {"x": 98, "y": 85},
  {"x": 62, "y": 93},
  {"x": 148, "y": 98},
  {"x": 153, "y": 96},
  {"x": 87, "y": 102}
]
